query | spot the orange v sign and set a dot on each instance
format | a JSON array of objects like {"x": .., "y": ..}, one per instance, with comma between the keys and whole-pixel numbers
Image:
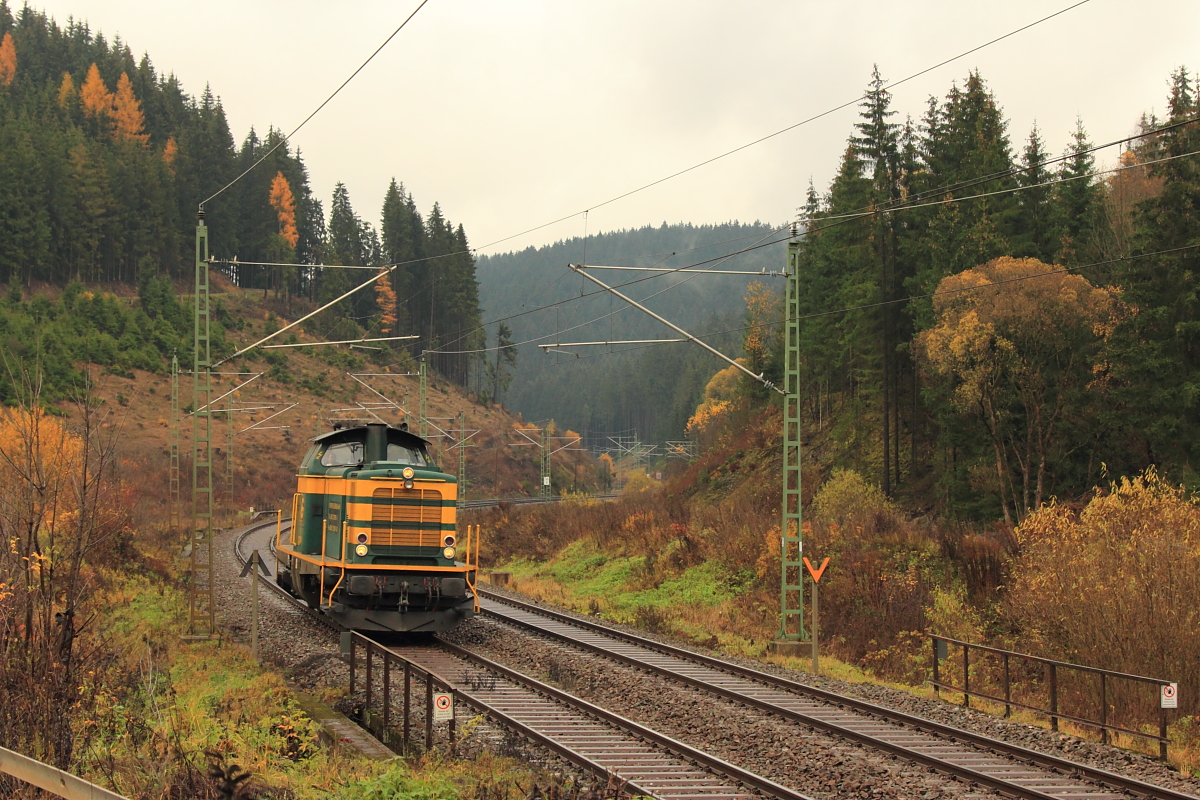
[{"x": 816, "y": 573}]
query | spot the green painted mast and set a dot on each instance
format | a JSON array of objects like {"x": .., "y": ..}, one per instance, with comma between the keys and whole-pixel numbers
[
  {"x": 423, "y": 421},
  {"x": 462, "y": 456},
  {"x": 201, "y": 614},
  {"x": 791, "y": 588},
  {"x": 547, "y": 489}
]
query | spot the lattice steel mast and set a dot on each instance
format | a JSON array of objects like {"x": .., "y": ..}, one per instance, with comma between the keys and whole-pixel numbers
[
  {"x": 791, "y": 588},
  {"x": 201, "y": 614}
]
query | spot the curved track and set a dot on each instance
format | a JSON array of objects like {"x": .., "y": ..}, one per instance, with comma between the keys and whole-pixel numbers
[
  {"x": 604, "y": 743},
  {"x": 1001, "y": 766}
]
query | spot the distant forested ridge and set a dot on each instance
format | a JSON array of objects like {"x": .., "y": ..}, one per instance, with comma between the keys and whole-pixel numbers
[
  {"x": 104, "y": 162},
  {"x": 650, "y": 391}
]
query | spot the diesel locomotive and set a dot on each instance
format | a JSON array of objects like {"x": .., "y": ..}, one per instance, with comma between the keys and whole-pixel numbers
[{"x": 373, "y": 542}]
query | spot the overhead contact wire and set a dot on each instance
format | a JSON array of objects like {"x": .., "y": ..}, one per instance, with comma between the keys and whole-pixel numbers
[{"x": 296, "y": 130}]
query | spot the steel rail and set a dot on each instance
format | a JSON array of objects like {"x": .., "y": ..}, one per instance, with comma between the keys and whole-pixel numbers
[
  {"x": 632, "y": 729},
  {"x": 1101, "y": 777}
]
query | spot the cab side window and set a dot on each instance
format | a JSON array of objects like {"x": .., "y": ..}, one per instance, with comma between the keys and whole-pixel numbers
[{"x": 344, "y": 454}]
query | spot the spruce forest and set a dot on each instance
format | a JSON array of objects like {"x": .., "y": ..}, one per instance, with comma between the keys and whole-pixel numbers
[
  {"x": 103, "y": 164},
  {"x": 1079, "y": 365}
]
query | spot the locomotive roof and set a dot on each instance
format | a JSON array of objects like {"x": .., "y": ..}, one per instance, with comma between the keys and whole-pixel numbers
[{"x": 391, "y": 431}]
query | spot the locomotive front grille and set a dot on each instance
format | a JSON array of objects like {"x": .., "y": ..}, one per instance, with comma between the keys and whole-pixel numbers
[{"x": 406, "y": 517}]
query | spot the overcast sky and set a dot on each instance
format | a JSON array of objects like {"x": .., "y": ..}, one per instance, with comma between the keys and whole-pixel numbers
[{"x": 512, "y": 113}]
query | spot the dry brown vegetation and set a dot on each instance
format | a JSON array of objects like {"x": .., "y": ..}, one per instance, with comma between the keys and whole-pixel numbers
[{"x": 1111, "y": 584}]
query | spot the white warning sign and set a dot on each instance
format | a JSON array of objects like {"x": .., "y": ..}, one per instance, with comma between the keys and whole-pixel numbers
[
  {"x": 1169, "y": 695},
  {"x": 443, "y": 707}
]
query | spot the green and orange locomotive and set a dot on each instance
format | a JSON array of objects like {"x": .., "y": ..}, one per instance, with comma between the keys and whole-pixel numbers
[{"x": 373, "y": 541}]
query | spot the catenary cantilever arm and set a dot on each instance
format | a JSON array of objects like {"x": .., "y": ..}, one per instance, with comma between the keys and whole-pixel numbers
[{"x": 677, "y": 329}]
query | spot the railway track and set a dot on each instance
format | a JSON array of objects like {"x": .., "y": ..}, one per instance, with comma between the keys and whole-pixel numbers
[
  {"x": 599, "y": 741},
  {"x": 1005, "y": 768}
]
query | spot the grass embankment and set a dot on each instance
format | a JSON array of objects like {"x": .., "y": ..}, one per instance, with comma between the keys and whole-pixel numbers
[{"x": 169, "y": 711}]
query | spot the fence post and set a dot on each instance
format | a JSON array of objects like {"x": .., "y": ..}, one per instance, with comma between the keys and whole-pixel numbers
[
  {"x": 1007, "y": 689},
  {"x": 936, "y": 676},
  {"x": 367, "y": 707},
  {"x": 407, "y": 702},
  {"x": 387, "y": 694},
  {"x": 1162, "y": 731},
  {"x": 353, "y": 658},
  {"x": 966, "y": 675},
  {"x": 1103, "y": 709},
  {"x": 1053, "y": 696},
  {"x": 428, "y": 712},
  {"x": 453, "y": 727}
]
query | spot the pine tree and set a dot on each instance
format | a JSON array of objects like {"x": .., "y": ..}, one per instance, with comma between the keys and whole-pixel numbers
[
  {"x": 1034, "y": 237},
  {"x": 1078, "y": 196},
  {"x": 1155, "y": 359}
]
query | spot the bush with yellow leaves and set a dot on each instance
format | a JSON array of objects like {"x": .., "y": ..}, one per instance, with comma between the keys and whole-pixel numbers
[{"x": 1116, "y": 585}]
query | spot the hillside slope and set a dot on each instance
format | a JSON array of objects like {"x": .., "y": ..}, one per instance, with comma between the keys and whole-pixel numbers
[{"x": 296, "y": 396}]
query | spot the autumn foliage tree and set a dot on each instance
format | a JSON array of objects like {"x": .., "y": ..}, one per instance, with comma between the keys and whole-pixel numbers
[
  {"x": 385, "y": 296},
  {"x": 94, "y": 96},
  {"x": 284, "y": 203},
  {"x": 63, "y": 520},
  {"x": 1017, "y": 360},
  {"x": 129, "y": 122},
  {"x": 8, "y": 60}
]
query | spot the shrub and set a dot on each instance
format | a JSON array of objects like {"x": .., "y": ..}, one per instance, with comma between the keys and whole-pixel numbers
[{"x": 1115, "y": 585}]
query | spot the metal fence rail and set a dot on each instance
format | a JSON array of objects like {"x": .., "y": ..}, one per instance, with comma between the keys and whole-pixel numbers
[
  {"x": 1050, "y": 669},
  {"x": 52, "y": 779},
  {"x": 411, "y": 670}
]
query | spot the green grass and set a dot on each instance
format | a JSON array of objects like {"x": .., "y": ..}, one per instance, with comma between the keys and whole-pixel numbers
[
  {"x": 169, "y": 708},
  {"x": 618, "y": 584}
]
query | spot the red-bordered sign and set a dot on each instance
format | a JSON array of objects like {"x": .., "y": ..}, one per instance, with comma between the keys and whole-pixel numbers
[
  {"x": 443, "y": 706},
  {"x": 1169, "y": 695}
]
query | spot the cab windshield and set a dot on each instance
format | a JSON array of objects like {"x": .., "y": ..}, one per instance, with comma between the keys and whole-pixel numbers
[{"x": 399, "y": 454}]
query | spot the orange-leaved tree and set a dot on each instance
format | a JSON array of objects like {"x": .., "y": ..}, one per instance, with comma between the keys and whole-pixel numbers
[
  {"x": 719, "y": 396},
  {"x": 385, "y": 297},
  {"x": 763, "y": 313},
  {"x": 8, "y": 60},
  {"x": 66, "y": 91},
  {"x": 94, "y": 95},
  {"x": 129, "y": 122},
  {"x": 170, "y": 150},
  {"x": 1013, "y": 349},
  {"x": 63, "y": 520},
  {"x": 284, "y": 203}
]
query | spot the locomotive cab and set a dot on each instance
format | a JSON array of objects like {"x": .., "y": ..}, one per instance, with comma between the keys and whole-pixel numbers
[{"x": 373, "y": 541}]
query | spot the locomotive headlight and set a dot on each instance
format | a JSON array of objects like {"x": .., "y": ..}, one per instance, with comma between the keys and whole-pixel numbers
[
  {"x": 408, "y": 473},
  {"x": 361, "y": 550},
  {"x": 448, "y": 552},
  {"x": 408, "y": 484}
]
